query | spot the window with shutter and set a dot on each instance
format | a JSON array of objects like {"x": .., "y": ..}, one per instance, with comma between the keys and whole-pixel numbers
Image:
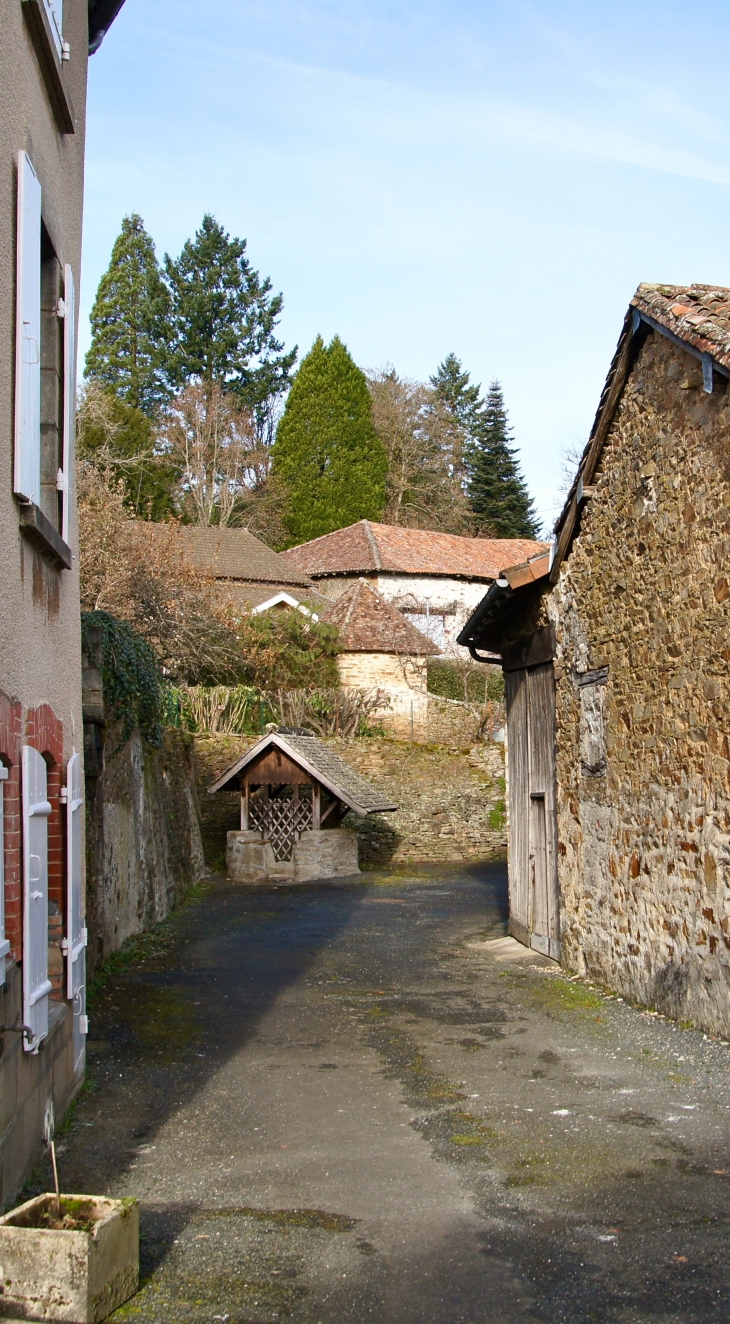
[
  {"x": 69, "y": 394},
  {"x": 75, "y": 943},
  {"x": 54, "y": 10},
  {"x": 4, "y": 944},
  {"x": 36, "y": 984},
  {"x": 28, "y": 334}
]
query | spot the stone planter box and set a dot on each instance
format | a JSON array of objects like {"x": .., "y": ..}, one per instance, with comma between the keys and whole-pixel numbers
[{"x": 62, "y": 1274}]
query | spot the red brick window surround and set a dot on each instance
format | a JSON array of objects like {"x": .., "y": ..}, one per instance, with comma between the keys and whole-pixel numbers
[
  {"x": 44, "y": 731},
  {"x": 10, "y": 743}
]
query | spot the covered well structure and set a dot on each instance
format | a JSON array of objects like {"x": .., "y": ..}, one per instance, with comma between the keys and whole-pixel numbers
[{"x": 294, "y": 792}]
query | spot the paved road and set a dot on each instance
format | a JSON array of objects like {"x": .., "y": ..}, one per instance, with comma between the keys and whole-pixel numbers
[{"x": 336, "y": 1104}]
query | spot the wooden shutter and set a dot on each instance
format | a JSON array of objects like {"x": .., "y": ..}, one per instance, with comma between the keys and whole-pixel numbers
[
  {"x": 4, "y": 944},
  {"x": 75, "y": 943},
  {"x": 69, "y": 392},
  {"x": 27, "y": 480},
  {"x": 36, "y": 984}
]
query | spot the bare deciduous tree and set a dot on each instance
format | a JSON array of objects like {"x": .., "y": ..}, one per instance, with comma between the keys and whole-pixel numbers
[
  {"x": 424, "y": 443},
  {"x": 212, "y": 441}
]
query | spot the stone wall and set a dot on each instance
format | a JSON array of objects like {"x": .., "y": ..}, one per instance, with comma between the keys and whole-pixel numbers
[
  {"x": 644, "y": 751},
  {"x": 143, "y": 843},
  {"x": 451, "y": 799}
]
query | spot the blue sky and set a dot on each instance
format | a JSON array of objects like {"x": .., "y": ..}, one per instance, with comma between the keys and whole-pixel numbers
[{"x": 489, "y": 178}]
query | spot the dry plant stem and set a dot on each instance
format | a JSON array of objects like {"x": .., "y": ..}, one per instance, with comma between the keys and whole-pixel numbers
[{"x": 52, "y": 1147}]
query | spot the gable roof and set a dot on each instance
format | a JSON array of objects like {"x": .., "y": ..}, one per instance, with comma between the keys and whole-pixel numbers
[
  {"x": 695, "y": 317},
  {"x": 367, "y": 547},
  {"x": 369, "y": 624},
  {"x": 321, "y": 762},
  {"x": 236, "y": 554}
]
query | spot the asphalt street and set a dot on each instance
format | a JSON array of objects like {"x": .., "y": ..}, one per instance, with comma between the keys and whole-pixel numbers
[{"x": 354, "y": 1102}]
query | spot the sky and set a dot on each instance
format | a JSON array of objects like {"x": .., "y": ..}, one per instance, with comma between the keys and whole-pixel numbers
[{"x": 483, "y": 177}]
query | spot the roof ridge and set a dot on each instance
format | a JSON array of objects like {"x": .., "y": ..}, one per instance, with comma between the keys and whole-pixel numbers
[{"x": 373, "y": 544}]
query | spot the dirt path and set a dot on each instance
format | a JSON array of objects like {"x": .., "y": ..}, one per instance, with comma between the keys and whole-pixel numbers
[{"x": 336, "y": 1104}]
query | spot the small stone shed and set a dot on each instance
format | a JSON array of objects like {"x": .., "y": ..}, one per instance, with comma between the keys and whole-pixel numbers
[
  {"x": 295, "y": 791},
  {"x": 617, "y": 659},
  {"x": 382, "y": 650}
]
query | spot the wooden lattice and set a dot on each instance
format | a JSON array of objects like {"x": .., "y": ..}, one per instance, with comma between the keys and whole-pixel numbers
[{"x": 281, "y": 821}]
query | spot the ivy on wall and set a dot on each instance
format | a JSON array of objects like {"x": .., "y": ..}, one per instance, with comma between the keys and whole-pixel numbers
[{"x": 134, "y": 690}]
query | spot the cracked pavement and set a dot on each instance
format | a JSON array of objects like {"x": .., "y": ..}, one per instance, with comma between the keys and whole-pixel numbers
[{"x": 356, "y": 1101}]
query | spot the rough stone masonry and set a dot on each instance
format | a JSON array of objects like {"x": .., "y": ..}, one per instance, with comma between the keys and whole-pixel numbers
[{"x": 643, "y": 757}]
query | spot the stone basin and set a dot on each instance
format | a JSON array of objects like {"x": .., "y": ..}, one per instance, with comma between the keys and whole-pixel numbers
[{"x": 79, "y": 1273}]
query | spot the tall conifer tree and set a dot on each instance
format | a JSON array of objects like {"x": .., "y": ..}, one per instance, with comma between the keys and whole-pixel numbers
[
  {"x": 497, "y": 491},
  {"x": 224, "y": 319},
  {"x": 129, "y": 322},
  {"x": 326, "y": 450},
  {"x": 452, "y": 385}
]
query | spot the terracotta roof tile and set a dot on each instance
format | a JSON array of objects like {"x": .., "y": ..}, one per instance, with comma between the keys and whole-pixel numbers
[
  {"x": 237, "y": 554},
  {"x": 366, "y": 547},
  {"x": 369, "y": 624},
  {"x": 699, "y": 314}
]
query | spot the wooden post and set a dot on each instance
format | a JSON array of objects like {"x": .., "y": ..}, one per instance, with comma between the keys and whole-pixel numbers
[
  {"x": 316, "y": 806},
  {"x": 244, "y": 807}
]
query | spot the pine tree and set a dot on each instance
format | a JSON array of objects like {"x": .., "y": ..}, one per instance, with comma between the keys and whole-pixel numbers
[
  {"x": 224, "y": 319},
  {"x": 452, "y": 385},
  {"x": 326, "y": 450},
  {"x": 128, "y": 322},
  {"x": 497, "y": 491}
]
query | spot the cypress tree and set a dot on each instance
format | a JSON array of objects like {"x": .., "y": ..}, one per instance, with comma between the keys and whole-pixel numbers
[
  {"x": 128, "y": 322},
  {"x": 497, "y": 491},
  {"x": 327, "y": 451},
  {"x": 224, "y": 318}
]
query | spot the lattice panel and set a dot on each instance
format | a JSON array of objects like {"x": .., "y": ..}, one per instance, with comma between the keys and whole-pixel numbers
[{"x": 281, "y": 821}]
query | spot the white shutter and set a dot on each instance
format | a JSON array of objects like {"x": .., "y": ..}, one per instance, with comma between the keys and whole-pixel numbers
[
  {"x": 54, "y": 10},
  {"x": 36, "y": 984},
  {"x": 69, "y": 390},
  {"x": 4, "y": 944},
  {"x": 75, "y": 943},
  {"x": 28, "y": 334}
]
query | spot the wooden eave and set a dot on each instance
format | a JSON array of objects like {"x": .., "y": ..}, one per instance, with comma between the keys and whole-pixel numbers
[
  {"x": 639, "y": 319},
  {"x": 233, "y": 774}
]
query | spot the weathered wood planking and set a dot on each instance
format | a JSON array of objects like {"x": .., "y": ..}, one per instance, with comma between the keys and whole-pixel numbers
[{"x": 518, "y": 769}]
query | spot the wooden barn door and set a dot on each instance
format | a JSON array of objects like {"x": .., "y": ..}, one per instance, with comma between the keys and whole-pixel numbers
[{"x": 533, "y": 873}]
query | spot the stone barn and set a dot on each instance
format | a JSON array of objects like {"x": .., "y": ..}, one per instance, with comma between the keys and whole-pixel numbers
[
  {"x": 295, "y": 791},
  {"x": 617, "y": 659}
]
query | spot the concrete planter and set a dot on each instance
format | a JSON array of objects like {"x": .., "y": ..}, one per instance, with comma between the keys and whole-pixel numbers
[{"x": 67, "y": 1274}]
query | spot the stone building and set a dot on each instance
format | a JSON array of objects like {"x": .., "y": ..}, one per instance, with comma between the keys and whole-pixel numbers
[
  {"x": 617, "y": 661},
  {"x": 382, "y": 650},
  {"x": 43, "y": 68},
  {"x": 435, "y": 579},
  {"x": 247, "y": 573}
]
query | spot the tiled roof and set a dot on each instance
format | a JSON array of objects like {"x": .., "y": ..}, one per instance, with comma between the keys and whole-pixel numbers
[
  {"x": 319, "y": 760},
  {"x": 698, "y": 317},
  {"x": 237, "y": 554},
  {"x": 369, "y": 624},
  {"x": 366, "y": 547},
  {"x": 698, "y": 314}
]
